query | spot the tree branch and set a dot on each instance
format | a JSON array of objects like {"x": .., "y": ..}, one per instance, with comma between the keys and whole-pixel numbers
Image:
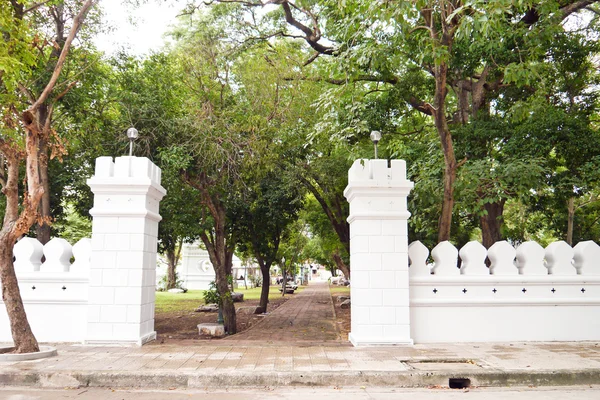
[
  {"x": 574, "y": 7},
  {"x": 311, "y": 59},
  {"x": 67, "y": 89},
  {"x": 77, "y": 21},
  {"x": 360, "y": 78},
  {"x": 532, "y": 16},
  {"x": 421, "y": 106},
  {"x": 311, "y": 37},
  {"x": 592, "y": 9},
  {"x": 27, "y": 93},
  {"x": 36, "y": 6}
]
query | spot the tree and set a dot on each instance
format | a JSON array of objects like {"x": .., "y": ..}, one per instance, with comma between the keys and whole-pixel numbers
[
  {"x": 265, "y": 212},
  {"x": 151, "y": 96},
  {"x": 210, "y": 152},
  {"x": 24, "y": 138},
  {"x": 448, "y": 59}
]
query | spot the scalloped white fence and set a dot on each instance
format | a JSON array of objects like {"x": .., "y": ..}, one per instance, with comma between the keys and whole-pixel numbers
[
  {"x": 55, "y": 292},
  {"x": 107, "y": 294},
  {"x": 527, "y": 294}
]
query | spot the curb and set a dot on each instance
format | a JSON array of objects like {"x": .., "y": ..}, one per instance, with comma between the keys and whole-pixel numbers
[
  {"x": 408, "y": 379},
  {"x": 45, "y": 352}
]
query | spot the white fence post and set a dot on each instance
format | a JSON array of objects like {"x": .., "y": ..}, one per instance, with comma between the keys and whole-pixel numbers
[
  {"x": 473, "y": 256},
  {"x": 379, "y": 252},
  {"x": 124, "y": 239},
  {"x": 28, "y": 254}
]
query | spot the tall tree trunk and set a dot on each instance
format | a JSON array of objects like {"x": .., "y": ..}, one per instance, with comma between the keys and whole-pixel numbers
[
  {"x": 43, "y": 226},
  {"x": 491, "y": 224},
  {"x": 226, "y": 301},
  {"x": 284, "y": 281},
  {"x": 173, "y": 257},
  {"x": 450, "y": 165},
  {"x": 216, "y": 253},
  {"x": 570, "y": 219},
  {"x": 221, "y": 257},
  {"x": 341, "y": 265},
  {"x": 266, "y": 283},
  {"x": 23, "y": 338},
  {"x": 171, "y": 265}
]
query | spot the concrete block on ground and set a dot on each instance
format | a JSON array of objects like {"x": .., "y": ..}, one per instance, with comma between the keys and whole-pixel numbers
[{"x": 212, "y": 330}]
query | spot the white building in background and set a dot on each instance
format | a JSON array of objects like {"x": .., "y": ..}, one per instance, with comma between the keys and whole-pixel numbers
[{"x": 196, "y": 271}]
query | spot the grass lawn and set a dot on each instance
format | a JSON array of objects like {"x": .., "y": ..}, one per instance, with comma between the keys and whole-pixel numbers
[
  {"x": 173, "y": 302},
  {"x": 339, "y": 289},
  {"x": 169, "y": 302}
]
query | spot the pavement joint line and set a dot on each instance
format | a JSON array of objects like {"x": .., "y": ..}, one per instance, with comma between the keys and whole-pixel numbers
[{"x": 185, "y": 379}]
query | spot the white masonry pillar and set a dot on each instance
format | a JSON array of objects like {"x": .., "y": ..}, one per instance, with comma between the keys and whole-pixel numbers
[
  {"x": 379, "y": 252},
  {"x": 125, "y": 215}
]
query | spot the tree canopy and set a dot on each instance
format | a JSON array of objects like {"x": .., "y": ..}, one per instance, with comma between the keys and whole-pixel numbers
[{"x": 257, "y": 109}]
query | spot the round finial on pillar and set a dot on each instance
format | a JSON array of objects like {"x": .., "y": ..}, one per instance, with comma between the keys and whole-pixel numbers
[
  {"x": 375, "y": 138},
  {"x": 132, "y": 134}
]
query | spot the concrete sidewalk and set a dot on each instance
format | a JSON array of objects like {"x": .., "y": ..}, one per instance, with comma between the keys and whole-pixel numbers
[
  {"x": 229, "y": 364},
  {"x": 298, "y": 345}
]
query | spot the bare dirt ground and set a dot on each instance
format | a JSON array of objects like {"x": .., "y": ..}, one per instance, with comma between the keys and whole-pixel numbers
[
  {"x": 342, "y": 317},
  {"x": 182, "y": 325}
]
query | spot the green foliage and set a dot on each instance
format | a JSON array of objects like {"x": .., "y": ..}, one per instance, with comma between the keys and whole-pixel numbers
[
  {"x": 212, "y": 296},
  {"x": 255, "y": 281},
  {"x": 323, "y": 242},
  {"x": 72, "y": 226},
  {"x": 250, "y": 125}
]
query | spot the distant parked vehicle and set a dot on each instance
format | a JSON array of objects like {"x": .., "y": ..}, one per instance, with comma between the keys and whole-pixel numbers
[{"x": 290, "y": 287}]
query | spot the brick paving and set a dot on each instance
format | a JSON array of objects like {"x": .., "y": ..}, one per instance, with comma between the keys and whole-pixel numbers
[{"x": 307, "y": 317}]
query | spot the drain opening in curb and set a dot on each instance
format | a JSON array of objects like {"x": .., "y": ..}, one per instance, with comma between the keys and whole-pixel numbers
[{"x": 459, "y": 383}]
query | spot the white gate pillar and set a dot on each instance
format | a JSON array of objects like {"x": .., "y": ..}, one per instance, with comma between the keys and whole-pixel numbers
[
  {"x": 379, "y": 252},
  {"x": 127, "y": 193}
]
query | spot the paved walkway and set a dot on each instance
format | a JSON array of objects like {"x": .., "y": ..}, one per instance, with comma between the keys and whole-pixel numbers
[
  {"x": 298, "y": 345},
  {"x": 308, "y": 316},
  {"x": 226, "y": 364}
]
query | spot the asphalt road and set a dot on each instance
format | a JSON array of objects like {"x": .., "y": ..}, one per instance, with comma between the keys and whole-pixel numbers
[{"x": 350, "y": 393}]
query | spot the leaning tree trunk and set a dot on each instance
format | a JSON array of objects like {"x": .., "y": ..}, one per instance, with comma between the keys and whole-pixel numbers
[
  {"x": 341, "y": 265},
  {"x": 491, "y": 223},
  {"x": 19, "y": 218},
  {"x": 23, "y": 338}
]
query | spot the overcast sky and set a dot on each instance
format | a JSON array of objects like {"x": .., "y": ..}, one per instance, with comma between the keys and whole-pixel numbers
[{"x": 140, "y": 29}]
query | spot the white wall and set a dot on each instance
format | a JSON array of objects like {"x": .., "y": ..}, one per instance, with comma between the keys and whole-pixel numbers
[
  {"x": 55, "y": 293},
  {"x": 527, "y": 294}
]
